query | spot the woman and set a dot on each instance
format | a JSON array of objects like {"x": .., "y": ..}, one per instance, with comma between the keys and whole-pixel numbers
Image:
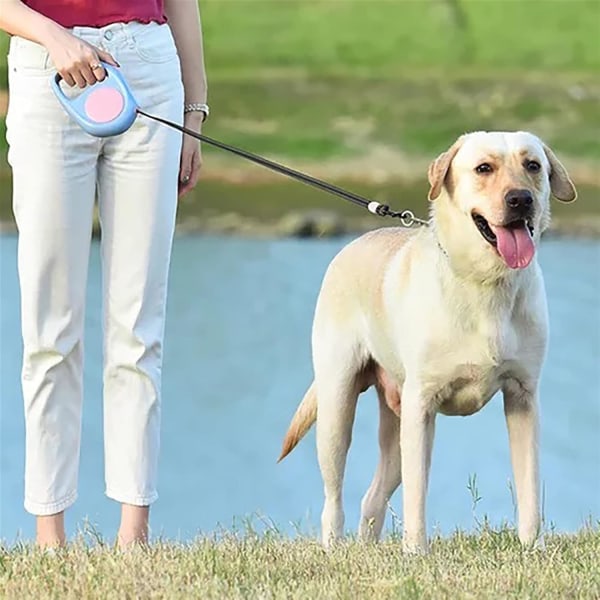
[{"x": 58, "y": 170}]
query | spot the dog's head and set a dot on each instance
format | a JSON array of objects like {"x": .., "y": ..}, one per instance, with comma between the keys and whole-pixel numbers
[{"x": 492, "y": 194}]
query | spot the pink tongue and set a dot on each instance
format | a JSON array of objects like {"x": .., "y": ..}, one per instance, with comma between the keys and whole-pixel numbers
[{"x": 514, "y": 245}]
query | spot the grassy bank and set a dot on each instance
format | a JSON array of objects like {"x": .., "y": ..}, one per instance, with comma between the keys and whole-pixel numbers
[
  {"x": 369, "y": 91},
  {"x": 489, "y": 564},
  {"x": 282, "y": 208}
]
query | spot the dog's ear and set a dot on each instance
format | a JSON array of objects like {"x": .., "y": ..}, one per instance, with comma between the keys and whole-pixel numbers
[
  {"x": 439, "y": 168},
  {"x": 560, "y": 183}
]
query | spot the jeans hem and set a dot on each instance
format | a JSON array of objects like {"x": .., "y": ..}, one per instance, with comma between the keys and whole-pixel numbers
[
  {"x": 44, "y": 509},
  {"x": 133, "y": 499}
]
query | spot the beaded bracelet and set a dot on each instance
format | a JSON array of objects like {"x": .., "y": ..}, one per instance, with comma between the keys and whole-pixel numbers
[{"x": 196, "y": 107}]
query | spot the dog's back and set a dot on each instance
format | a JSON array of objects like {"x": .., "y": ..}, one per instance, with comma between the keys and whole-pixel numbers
[{"x": 357, "y": 272}]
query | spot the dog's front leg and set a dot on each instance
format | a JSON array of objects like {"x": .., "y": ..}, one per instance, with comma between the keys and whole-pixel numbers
[
  {"x": 416, "y": 442},
  {"x": 522, "y": 419}
]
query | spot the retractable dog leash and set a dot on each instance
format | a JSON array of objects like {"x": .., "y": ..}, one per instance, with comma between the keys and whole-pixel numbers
[
  {"x": 109, "y": 108},
  {"x": 104, "y": 109}
]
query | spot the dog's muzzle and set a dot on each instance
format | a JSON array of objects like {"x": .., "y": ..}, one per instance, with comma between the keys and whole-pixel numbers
[{"x": 513, "y": 238}]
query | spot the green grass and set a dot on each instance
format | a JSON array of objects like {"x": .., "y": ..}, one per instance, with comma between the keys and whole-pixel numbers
[
  {"x": 343, "y": 117},
  {"x": 389, "y": 36},
  {"x": 330, "y": 78},
  {"x": 488, "y": 564},
  {"x": 324, "y": 37}
]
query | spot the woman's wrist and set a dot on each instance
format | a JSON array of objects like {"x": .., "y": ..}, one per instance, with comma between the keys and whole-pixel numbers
[
  {"x": 47, "y": 32},
  {"x": 194, "y": 119},
  {"x": 196, "y": 107}
]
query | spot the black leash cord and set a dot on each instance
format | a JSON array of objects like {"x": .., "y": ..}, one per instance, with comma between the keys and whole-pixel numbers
[{"x": 377, "y": 208}]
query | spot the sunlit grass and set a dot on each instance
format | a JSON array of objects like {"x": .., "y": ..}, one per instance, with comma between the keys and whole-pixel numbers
[{"x": 489, "y": 563}]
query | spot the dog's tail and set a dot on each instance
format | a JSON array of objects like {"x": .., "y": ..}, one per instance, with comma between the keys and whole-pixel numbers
[{"x": 305, "y": 416}]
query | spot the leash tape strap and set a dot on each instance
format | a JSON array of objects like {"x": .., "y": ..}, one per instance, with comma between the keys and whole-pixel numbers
[
  {"x": 376, "y": 208},
  {"x": 265, "y": 162}
]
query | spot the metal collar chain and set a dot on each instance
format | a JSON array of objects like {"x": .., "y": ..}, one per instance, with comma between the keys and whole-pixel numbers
[{"x": 407, "y": 217}]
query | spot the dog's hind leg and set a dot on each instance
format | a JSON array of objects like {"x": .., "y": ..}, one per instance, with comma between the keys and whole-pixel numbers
[
  {"x": 389, "y": 470},
  {"x": 337, "y": 394}
]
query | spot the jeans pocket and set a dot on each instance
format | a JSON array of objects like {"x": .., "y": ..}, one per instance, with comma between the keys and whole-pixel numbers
[
  {"x": 28, "y": 57},
  {"x": 155, "y": 44}
]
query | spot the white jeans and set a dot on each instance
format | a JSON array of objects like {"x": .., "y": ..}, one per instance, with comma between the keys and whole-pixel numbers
[{"x": 58, "y": 170}]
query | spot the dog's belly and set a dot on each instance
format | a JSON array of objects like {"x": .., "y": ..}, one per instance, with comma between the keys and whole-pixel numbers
[{"x": 469, "y": 389}]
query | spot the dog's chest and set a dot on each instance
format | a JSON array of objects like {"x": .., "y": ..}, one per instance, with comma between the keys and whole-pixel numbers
[
  {"x": 471, "y": 369},
  {"x": 468, "y": 389}
]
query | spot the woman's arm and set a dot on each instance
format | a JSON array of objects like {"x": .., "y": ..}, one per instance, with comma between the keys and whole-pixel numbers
[
  {"x": 185, "y": 23},
  {"x": 184, "y": 19},
  {"x": 18, "y": 19},
  {"x": 72, "y": 57}
]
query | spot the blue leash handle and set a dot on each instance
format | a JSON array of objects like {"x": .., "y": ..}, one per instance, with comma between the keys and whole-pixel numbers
[{"x": 83, "y": 108}]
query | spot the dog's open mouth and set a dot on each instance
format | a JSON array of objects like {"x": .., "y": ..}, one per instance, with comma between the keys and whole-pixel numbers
[{"x": 513, "y": 241}]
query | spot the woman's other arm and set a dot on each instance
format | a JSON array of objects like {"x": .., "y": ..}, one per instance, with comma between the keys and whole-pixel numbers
[
  {"x": 72, "y": 57},
  {"x": 184, "y": 19},
  {"x": 185, "y": 23}
]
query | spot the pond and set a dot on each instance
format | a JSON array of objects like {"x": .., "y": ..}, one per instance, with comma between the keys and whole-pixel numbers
[{"x": 237, "y": 362}]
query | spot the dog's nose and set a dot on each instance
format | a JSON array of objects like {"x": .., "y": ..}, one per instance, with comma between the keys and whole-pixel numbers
[{"x": 519, "y": 199}]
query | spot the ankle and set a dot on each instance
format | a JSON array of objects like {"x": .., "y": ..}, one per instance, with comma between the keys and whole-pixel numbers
[
  {"x": 51, "y": 543},
  {"x": 129, "y": 538},
  {"x": 134, "y": 526},
  {"x": 50, "y": 531}
]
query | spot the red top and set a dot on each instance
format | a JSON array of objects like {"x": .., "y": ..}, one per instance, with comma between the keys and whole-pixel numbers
[{"x": 98, "y": 13}]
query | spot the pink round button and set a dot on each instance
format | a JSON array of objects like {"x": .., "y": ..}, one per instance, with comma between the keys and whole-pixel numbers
[{"x": 104, "y": 104}]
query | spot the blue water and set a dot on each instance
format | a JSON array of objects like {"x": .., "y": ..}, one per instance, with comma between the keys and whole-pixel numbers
[{"x": 237, "y": 362}]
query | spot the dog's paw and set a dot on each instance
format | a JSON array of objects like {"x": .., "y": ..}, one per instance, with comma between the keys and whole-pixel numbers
[
  {"x": 331, "y": 540},
  {"x": 536, "y": 544},
  {"x": 415, "y": 547},
  {"x": 369, "y": 530}
]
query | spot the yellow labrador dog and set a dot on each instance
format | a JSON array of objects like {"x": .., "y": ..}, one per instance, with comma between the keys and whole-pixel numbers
[{"x": 438, "y": 320}]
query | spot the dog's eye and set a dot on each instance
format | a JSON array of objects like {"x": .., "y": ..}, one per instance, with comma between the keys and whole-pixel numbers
[
  {"x": 533, "y": 166},
  {"x": 484, "y": 168}
]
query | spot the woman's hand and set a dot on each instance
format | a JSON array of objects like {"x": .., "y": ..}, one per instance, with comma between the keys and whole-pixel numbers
[
  {"x": 77, "y": 61},
  {"x": 191, "y": 154}
]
